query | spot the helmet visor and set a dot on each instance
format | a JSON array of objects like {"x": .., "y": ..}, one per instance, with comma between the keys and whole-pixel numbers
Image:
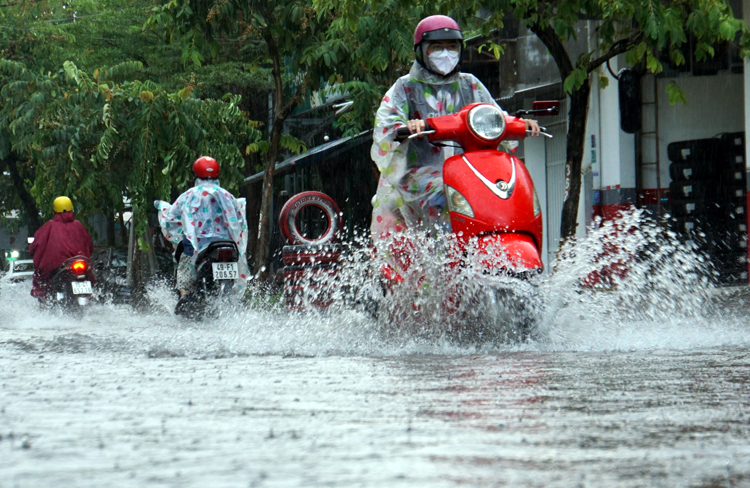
[{"x": 442, "y": 34}]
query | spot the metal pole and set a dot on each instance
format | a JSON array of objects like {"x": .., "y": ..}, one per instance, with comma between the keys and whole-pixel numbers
[{"x": 131, "y": 250}]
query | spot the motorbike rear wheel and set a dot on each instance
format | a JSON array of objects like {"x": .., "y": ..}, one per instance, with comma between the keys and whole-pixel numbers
[
  {"x": 67, "y": 307},
  {"x": 203, "y": 302}
]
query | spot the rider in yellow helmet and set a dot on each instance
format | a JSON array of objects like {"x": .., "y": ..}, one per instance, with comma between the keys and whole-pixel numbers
[
  {"x": 57, "y": 240},
  {"x": 62, "y": 204}
]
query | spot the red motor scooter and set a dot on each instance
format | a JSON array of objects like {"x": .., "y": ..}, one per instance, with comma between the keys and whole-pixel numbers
[{"x": 495, "y": 213}]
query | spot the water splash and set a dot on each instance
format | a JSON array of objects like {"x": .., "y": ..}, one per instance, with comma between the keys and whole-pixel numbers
[
  {"x": 632, "y": 284},
  {"x": 629, "y": 285}
]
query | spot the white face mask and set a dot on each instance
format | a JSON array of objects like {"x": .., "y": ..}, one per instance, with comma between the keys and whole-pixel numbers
[{"x": 443, "y": 61}]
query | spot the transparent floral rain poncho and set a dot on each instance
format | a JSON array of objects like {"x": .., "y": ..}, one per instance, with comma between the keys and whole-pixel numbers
[
  {"x": 410, "y": 192},
  {"x": 203, "y": 214}
]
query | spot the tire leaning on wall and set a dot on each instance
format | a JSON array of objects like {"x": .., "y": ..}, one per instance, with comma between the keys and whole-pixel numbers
[
  {"x": 310, "y": 263},
  {"x": 288, "y": 218}
]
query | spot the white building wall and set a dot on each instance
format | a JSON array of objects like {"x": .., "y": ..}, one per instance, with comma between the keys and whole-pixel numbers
[
  {"x": 591, "y": 163},
  {"x": 714, "y": 105},
  {"x": 535, "y": 159}
]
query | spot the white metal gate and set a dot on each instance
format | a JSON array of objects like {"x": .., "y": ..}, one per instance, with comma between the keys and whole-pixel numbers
[{"x": 556, "y": 157}]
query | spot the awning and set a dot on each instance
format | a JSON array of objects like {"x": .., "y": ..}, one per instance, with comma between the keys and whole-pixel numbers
[{"x": 316, "y": 154}]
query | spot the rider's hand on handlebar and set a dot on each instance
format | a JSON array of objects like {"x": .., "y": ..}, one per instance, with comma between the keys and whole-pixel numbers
[
  {"x": 532, "y": 127},
  {"x": 415, "y": 126}
]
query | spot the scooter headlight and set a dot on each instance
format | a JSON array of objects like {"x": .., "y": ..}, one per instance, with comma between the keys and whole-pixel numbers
[
  {"x": 537, "y": 205},
  {"x": 487, "y": 122},
  {"x": 457, "y": 203}
]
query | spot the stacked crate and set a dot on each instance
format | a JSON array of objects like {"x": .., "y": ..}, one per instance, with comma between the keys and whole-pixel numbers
[{"x": 708, "y": 201}]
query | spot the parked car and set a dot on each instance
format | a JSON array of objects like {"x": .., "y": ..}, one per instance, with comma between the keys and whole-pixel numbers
[
  {"x": 110, "y": 266},
  {"x": 19, "y": 270}
]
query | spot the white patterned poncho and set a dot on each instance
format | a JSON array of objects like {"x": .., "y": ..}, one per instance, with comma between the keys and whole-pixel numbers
[
  {"x": 410, "y": 193},
  {"x": 203, "y": 214}
]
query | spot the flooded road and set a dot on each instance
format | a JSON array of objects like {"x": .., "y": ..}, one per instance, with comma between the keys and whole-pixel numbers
[
  {"x": 123, "y": 400},
  {"x": 639, "y": 386}
]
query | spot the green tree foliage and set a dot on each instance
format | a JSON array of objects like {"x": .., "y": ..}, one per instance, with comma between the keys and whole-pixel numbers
[
  {"x": 99, "y": 33},
  {"x": 368, "y": 46},
  {"x": 99, "y": 141},
  {"x": 106, "y": 39}
]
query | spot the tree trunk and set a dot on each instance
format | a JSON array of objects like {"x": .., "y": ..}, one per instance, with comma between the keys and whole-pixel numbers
[
  {"x": 138, "y": 293},
  {"x": 579, "y": 101},
  {"x": 123, "y": 229},
  {"x": 111, "y": 237},
  {"x": 30, "y": 207},
  {"x": 253, "y": 195},
  {"x": 261, "y": 249},
  {"x": 579, "y": 106},
  {"x": 140, "y": 269}
]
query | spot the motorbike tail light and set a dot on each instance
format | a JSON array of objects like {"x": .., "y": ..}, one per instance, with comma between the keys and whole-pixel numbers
[
  {"x": 226, "y": 254},
  {"x": 78, "y": 267}
]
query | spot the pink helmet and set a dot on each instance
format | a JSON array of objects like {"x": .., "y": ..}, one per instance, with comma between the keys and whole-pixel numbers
[{"x": 437, "y": 27}]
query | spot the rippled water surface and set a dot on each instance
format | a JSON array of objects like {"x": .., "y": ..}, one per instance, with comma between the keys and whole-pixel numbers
[{"x": 644, "y": 382}]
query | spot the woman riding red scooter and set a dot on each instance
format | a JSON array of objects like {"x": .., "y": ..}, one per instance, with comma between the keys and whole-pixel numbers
[{"x": 411, "y": 191}]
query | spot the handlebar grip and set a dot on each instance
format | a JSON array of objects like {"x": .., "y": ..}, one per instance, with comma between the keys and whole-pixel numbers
[{"x": 402, "y": 133}]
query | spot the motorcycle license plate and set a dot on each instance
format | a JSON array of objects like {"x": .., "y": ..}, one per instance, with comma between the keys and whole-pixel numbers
[
  {"x": 226, "y": 271},
  {"x": 81, "y": 287}
]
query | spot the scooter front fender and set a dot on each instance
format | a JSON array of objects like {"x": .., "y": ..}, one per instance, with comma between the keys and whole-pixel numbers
[{"x": 508, "y": 251}]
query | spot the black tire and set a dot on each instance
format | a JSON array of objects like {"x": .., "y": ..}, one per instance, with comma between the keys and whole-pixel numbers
[
  {"x": 734, "y": 176},
  {"x": 692, "y": 171},
  {"x": 733, "y": 192},
  {"x": 693, "y": 190},
  {"x": 689, "y": 208},
  {"x": 192, "y": 306},
  {"x": 694, "y": 150}
]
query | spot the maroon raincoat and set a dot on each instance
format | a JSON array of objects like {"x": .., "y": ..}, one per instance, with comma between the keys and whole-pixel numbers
[{"x": 56, "y": 241}]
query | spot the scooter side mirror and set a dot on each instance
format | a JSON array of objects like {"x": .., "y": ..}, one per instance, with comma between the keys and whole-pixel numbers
[{"x": 546, "y": 107}]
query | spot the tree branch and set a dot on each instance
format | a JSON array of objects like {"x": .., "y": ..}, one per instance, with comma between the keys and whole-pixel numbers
[
  {"x": 619, "y": 47},
  {"x": 135, "y": 56}
]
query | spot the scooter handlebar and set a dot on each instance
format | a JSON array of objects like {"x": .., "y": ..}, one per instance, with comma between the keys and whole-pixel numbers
[{"x": 403, "y": 133}]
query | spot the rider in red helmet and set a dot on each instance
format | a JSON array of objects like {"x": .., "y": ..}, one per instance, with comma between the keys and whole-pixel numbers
[
  {"x": 206, "y": 167},
  {"x": 205, "y": 213},
  {"x": 410, "y": 192}
]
